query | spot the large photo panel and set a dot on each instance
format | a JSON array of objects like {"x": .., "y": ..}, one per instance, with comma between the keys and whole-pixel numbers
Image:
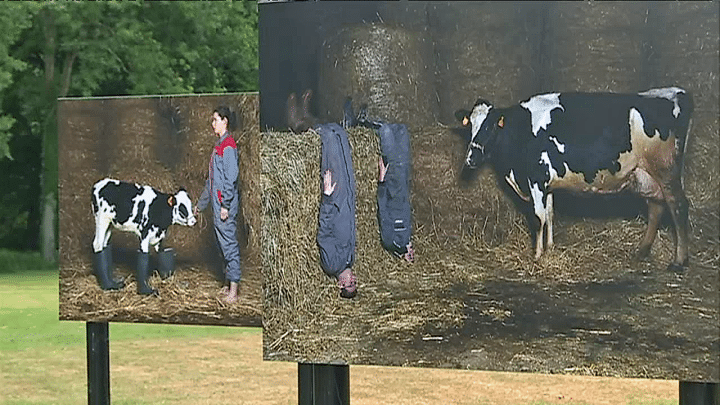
[
  {"x": 551, "y": 232},
  {"x": 134, "y": 247}
]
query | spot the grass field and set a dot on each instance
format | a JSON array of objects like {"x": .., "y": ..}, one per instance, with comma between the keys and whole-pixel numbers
[{"x": 42, "y": 361}]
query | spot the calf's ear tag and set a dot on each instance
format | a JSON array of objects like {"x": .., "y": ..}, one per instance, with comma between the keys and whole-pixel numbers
[
  {"x": 171, "y": 201},
  {"x": 465, "y": 121},
  {"x": 501, "y": 123}
]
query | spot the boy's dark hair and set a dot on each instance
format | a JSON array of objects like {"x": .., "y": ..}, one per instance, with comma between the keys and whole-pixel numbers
[{"x": 225, "y": 112}]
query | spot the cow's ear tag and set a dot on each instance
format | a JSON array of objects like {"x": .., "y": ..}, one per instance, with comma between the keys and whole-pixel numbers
[
  {"x": 465, "y": 121},
  {"x": 171, "y": 201},
  {"x": 501, "y": 123}
]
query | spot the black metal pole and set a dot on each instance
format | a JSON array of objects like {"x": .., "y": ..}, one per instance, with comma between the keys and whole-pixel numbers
[
  {"x": 323, "y": 384},
  {"x": 98, "y": 363},
  {"x": 699, "y": 393}
]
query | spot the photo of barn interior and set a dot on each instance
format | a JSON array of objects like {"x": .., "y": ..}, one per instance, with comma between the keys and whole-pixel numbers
[{"x": 476, "y": 296}]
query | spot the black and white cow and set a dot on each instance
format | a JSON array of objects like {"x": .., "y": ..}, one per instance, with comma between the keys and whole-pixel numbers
[
  {"x": 589, "y": 143},
  {"x": 141, "y": 210}
]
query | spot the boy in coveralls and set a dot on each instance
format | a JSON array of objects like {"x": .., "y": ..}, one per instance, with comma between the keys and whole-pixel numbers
[{"x": 221, "y": 188}]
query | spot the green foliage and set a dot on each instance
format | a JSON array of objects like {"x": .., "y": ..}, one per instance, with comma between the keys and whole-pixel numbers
[
  {"x": 66, "y": 49},
  {"x": 14, "y": 19},
  {"x": 20, "y": 262},
  {"x": 6, "y": 123}
]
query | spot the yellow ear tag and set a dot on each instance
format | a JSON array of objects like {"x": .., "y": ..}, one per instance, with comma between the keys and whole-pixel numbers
[
  {"x": 170, "y": 201},
  {"x": 465, "y": 121},
  {"x": 501, "y": 123}
]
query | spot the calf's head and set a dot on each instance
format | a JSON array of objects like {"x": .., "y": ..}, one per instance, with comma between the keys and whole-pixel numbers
[
  {"x": 481, "y": 132},
  {"x": 182, "y": 210}
]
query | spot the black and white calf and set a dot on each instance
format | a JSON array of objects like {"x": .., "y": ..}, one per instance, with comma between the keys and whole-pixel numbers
[
  {"x": 141, "y": 210},
  {"x": 589, "y": 143}
]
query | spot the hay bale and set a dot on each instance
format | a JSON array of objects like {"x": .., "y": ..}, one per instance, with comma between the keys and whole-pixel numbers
[
  {"x": 389, "y": 68},
  {"x": 596, "y": 46},
  {"x": 479, "y": 55}
]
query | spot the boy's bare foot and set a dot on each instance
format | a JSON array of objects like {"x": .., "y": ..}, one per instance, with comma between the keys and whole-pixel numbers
[{"x": 231, "y": 296}]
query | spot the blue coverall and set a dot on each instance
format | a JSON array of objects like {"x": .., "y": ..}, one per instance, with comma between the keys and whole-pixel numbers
[
  {"x": 336, "y": 232},
  {"x": 393, "y": 194},
  {"x": 221, "y": 188}
]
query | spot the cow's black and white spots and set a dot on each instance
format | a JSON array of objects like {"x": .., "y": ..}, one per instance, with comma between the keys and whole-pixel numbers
[
  {"x": 141, "y": 210},
  {"x": 589, "y": 142}
]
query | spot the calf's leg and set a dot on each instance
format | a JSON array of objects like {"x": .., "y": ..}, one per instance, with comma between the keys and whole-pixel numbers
[
  {"x": 142, "y": 274},
  {"x": 102, "y": 232},
  {"x": 103, "y": 269}
]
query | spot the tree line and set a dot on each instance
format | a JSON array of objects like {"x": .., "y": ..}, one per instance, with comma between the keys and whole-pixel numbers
[{"x": 77, "y": 49}]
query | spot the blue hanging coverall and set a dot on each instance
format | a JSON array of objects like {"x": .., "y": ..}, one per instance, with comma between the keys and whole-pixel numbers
[
  {"x": 336, "y": 233},
  {"x": 393, "y": 194}
]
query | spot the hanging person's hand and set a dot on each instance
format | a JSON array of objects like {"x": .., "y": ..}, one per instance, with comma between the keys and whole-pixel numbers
[
  {"x": 382, "y": 169},
  {"x": 328, "y": 185}
]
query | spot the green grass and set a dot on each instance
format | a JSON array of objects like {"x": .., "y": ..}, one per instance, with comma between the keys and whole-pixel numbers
[
  {"x": 29, "y": 312},
  {"x": 18, "y": 263},
  {"x": 42, "y": 359}
]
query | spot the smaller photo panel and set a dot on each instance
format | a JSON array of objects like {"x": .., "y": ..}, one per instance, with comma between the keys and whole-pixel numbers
[{"x": 159, "y": 209}]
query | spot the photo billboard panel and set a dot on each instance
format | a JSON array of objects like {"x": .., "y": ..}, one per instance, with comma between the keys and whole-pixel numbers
[
  {"x": 166, "y": 143},
  {"x": 476, "y": 296}
]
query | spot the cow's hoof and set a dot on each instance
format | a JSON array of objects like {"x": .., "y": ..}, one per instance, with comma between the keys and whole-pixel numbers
[
  {"x": 117, "y": 285},
  {"x": 676, "y": 268},
  {"x": 149, "y": 291},
  {"x": 643, "y": 253}
]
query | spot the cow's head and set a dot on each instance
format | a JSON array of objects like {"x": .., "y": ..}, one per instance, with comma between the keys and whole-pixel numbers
[
  {"x": 481, "y": 134},
  {"x": 182, "y": 209}
]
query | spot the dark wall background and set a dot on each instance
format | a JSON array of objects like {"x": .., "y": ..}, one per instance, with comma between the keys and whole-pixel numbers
[
  {"x": 291, "y": 35},
  {"x": 501, "y": 51},
  {"x": 296, "y": 37}
]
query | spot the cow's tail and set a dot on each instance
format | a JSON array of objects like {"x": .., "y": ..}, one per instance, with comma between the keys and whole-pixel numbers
[{"x": 682, "y": 133}]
